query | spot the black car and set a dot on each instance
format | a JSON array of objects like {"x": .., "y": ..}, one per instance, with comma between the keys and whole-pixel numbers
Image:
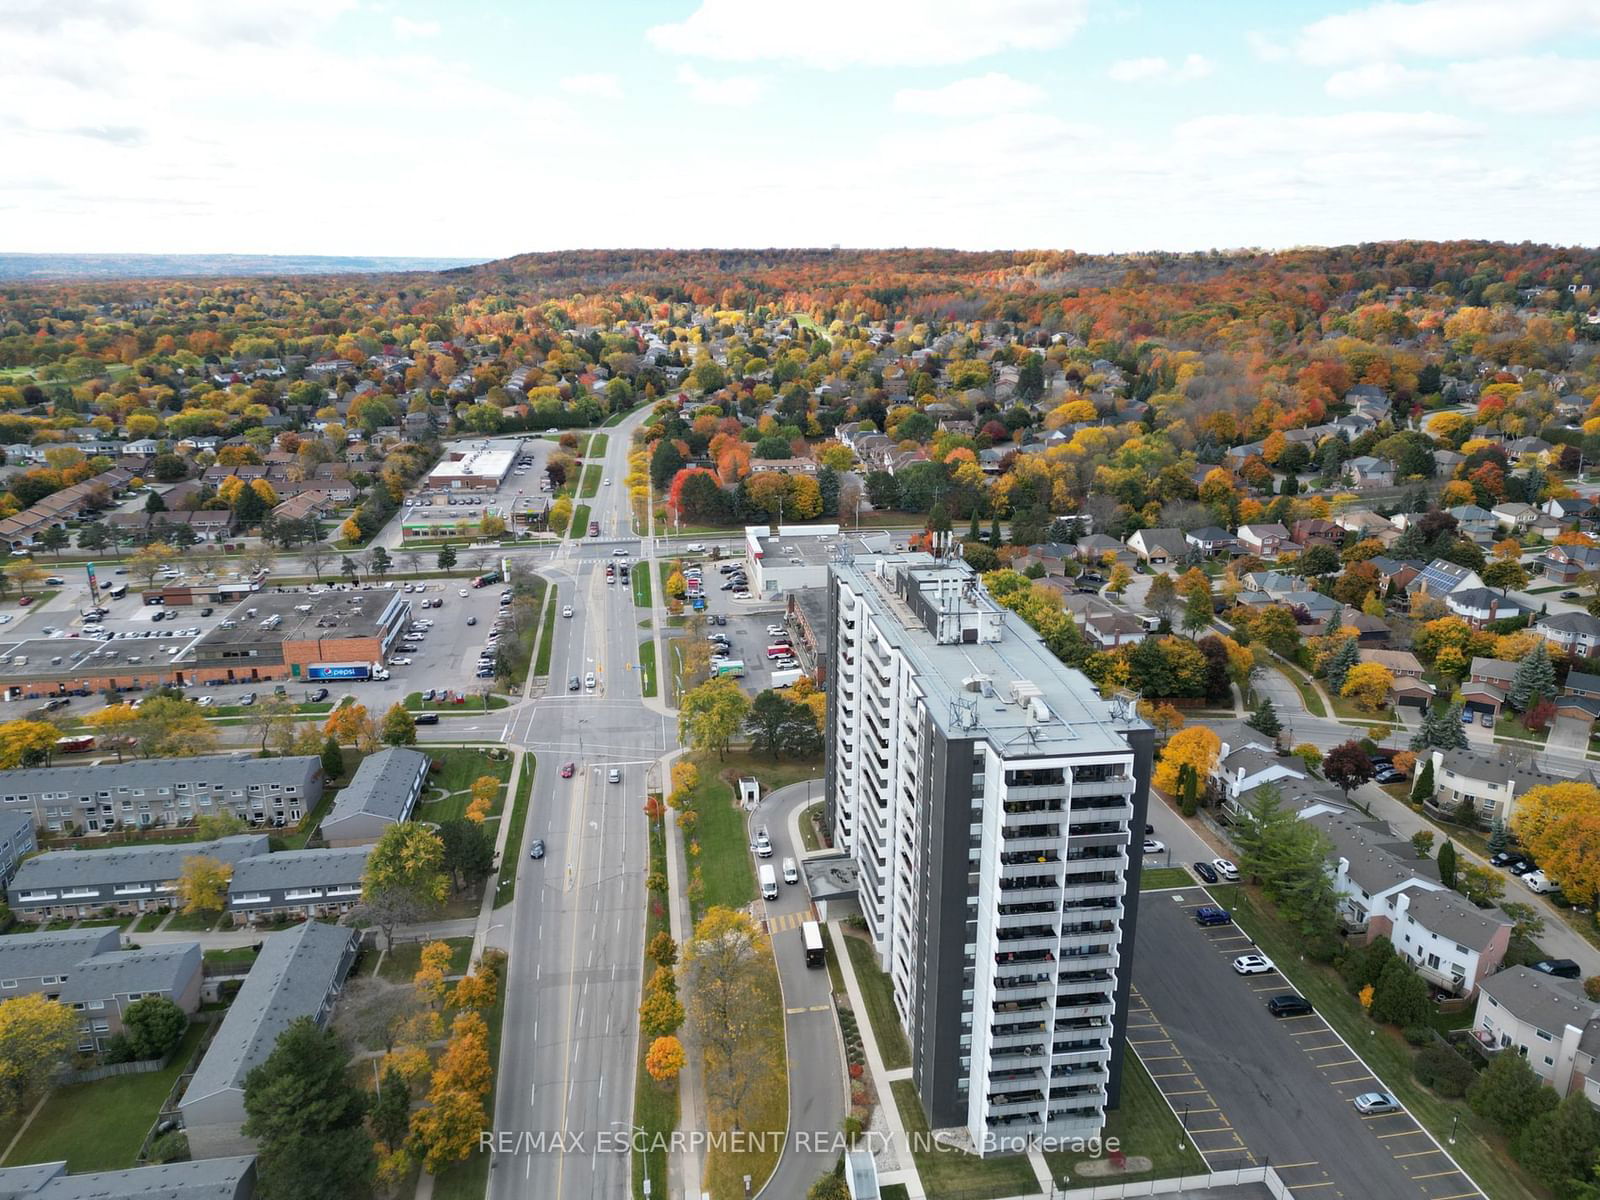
[
  {"x": 1569, "y": 595},
  {"x": 1205, "y": 871},
  {"x": 426, "y": 719},
  {"x": 1507, "y": 858},
  {"x": 206, "y": 612},
  {"x": 574, "y": 684},
  {"x": 319, "y": 695},
  {"x": 537, "y": 849},
  {"x": 1523, "y": 866},
  {"x": 1289, "y": 1005},
  {"x": 718, "y": 619},
  {"x": 1561, "y": 968}
]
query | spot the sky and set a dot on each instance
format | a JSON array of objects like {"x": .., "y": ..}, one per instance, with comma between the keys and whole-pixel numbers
[{"x": 483, "y": 129}]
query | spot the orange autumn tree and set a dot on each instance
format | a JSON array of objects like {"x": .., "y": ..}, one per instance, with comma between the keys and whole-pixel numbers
[{"x": 1197, "y": 747}]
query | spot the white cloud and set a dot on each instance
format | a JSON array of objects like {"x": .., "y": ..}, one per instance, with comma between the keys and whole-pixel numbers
[
  {"x": 1145, "y": 70},
  {"x": 1352, "y": 133},
  {"x": 731, "y": 92},
  {"x": 991, "y": 93},
  {"x": 1518, "y": 86},
  {"x": 1373, "y": 79},
  {"x": 1443, "y": 29},
  {"x": 407, "y": 29},
  {"x": 1265, "y": 48},
  {"x": 831, "y": 34},
  {"x": 602, "y": 86}
]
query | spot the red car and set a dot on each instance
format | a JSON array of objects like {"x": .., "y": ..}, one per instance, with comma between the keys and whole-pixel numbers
[
  {"x": 24, "y": 600},
  {"x": 567, "y": 770}
]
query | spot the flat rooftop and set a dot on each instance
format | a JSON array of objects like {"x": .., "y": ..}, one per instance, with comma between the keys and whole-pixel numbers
[
  {"x": 86, "y": 656},
  {"x": 492, "y": 463},
  {"x": 305, "y": 616},
  {"x": 992, "y": 687}
]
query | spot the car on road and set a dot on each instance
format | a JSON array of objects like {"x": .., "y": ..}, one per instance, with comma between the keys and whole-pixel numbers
[
  {"x": 695, "y": 548},
  {"x": 589, "y": 681},
  {"x": 472, "y": 620},
  {"x": 1561, "y": 968},
  {"x": 1372, "y": 1104},
  {"x": 1569, "y": 595},
  {"x": 206, "y": 701},
  {"x": 425, "y": 719},
  {"x": 1225, "y": 869},
  {"x": 461, "y": 592},
  {"x": 620, "y": 551},
  {"x": 1154, "y": 846},
  {"x": 614, "y": 775},
  {"x": 55, "y": 581},
  {"x": 1289, "y": 1004},
  {"x": 24, "y": 601},
  {"x": 402, "y": 661},
  {"x": 5, "y": 618},
  {"x": 206, "y": 612},
  {"x": 1206, "y": 871},
  {"x": 574, "y": 684},
  {"x": 1253, "y": 964},
  {"x": 566, "y": 610},
  {"x": 568, "y": 770},
  {"x": 318, "y": 696},
  {"x": 791, "y": 872},
  {"x": 537, "y": 849},
  {"x": 1540, "y": 883}
]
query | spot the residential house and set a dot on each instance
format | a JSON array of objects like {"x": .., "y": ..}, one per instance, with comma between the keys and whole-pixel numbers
[
  {"x": 1317, "y": 606},
  {"x": 100, "y": 988},
  {"x": 1266, "y": 541},
  {"x": 198, "y": 1179},
  {"x": 1396, "y": 572},
  {"x": 1491, "y": 782},
  {"x": 1094, "y": 548},
  {"x": 164, "y": 791},
  {"x": 383, "y": 792},
  {"x": 1236, "y": 456},
  {"x": 1248, "y": 760},
  {"x": 1540, "y": 1017},
  {"x": 1212, "y": 540},
  {"x": 63, "y": 884},
  {"x": 1108, "y": 630},
  {"x": 299, "y": 973},
  {"x": 1575, "y": 633},
  {"x": 40, "y": 961},
  {"x": 1314, "y": 531},
  {"x": 1474, "y": 522},
  {"x": 1537, "y": 449},
  {"x": 1385, "y": 890},
  {"x": 1371, "y": 632},
  {"x": 1402, "y": 664},
  {"x": 1440, "y": 579},
  {"x": 1479, "y": 607},
  {"x": 1445, "y": 463},
  {"x": 1159, "y": 546},
  {"x": 1584, "y": 685},
  {"x": 1483, "y": 692},
  {"x": 1515, "y": 515},
  {"x": 17, "y": 841},
  {"x": 1365, "y": 523},
  {"x": 1571, "y": 510},
  {"x": 297, "y": 884},
  {"x": 1568, "y": 564},
  {"x": 1367, "y": 471}
]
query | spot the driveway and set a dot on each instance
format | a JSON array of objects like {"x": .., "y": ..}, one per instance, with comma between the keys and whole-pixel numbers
[
  {"x": 1250, "y": 1088},
  {"x": 1570, "y": 734}
]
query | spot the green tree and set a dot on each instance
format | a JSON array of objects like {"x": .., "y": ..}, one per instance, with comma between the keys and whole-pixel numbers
[
  {"x": 1497, "y": 835},
  {"x": 54, "y": 538},
  {"x": 153, "y": 1025},
  {"x": 1265, "y": 719},
  {"x": 1289, "y": 858},
  {"x": 1441, "y": 729},
  {"x": 1400, "y": 996},
  {"x": 1535, "y": 679},
  {"x": 468, "y": 851},
  {"x": 709, "y": 715},
  {"x": 399, "y": 727},
  {"x": 391, "y": 1111},
  {"x": 307, "y": 1119},
  {"x": 1509, "y": 1094},
  {"x": 1197, "y": 613},
  {"x": 1447, "y": 864},
  {"x": 447, "y": 558},
  {"x": 1345, "y": 656},
  {"x": 378, "y": 561},
  {"x": 332, "y": 758},
  {"x": 404, "y": 878},
  {"x": 1559, "y": 1146},
  {"x": 1422, "y": 785}
]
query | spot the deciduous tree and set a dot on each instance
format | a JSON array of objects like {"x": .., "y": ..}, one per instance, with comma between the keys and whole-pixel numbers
[
  {"x": 399, "y": 727},
  {"x": 25, "y": 743},
  {"x": 1559, "y": 825},
  {"x": 665, "y": 1059},
  {"x": 153, "y": 1025},
  {"x": 1368, "y": 684},
  {"x": 36, "y": 1035},
  {"x": 710, "y": 714},
  {"x": 1347, "y": 766},
  {"x": 1197, "y": 747},
  {"x": 203, "y": 884}
]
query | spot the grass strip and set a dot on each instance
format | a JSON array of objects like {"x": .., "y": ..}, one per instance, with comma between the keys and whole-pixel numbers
[
  {"x": 1153, "y": 879},
  {"x": 469, "y": 1179},
  {"x": 655, "y": 1106},
  {"x": 641, "y": 588},
  {"x": 1143, "y": 1125},
  {"x": 590, "y": 487},
  {"x": 506, "y": 889},
  {"x": 877, "y": 993},
  {"x": 547, "y": 639},
  {"x": 947, "y": 1172},
  {"x": 647, "y": 668}
]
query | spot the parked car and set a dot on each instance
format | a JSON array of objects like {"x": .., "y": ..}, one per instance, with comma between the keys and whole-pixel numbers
[
  {"x": 248, "y": 699},
  {"x": 1561, "y": 968},
  {"x": 1570, "y": 596},
  {"x": 318, "y": 696},
  {"x": 1289, "y": 1004},
  {"x": 1540, "y": 883},
  {"x": 1226, "y": 869},
  {"x": 1154, "y": 846},
  {"x": 1371, "y": 1104},
  {"x": 1205, "y": 871},
  {"x": 1253, "y": 964}
]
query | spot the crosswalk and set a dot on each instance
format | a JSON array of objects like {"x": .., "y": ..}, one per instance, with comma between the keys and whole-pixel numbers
[{"x": 792, "y": 920}]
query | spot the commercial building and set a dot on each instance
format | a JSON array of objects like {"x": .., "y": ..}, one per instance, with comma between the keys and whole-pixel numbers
[
  {"x": 298, "y": 973},
  {"x": 202, "y": 1179},
  {"x": 792, "y": 558},
  {"x": 151, "y": 792},
  {"x": 383, "y": 792},
  {"x": 299, "y": 635},
  {"x": 62, "y": 884},
  {"x": 485, "y": 466},
  {"x": 297, "y": 883},
  {"x": 988, "y": 796}
]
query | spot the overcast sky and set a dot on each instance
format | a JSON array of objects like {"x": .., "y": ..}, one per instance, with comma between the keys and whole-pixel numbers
[{"x": 482, "y": 128}]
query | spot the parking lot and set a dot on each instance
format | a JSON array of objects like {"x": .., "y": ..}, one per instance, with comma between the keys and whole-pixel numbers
[
  {"x": 743, "y": 622},
  {"x": 1252, "y": 1088},
  {"x": 442, "y": 505}
]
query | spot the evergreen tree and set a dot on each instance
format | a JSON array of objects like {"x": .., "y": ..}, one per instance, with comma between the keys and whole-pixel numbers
[
  {"x": 1559, "y": 1146},
  {"x": 1331, "y": 625},
  {"x": 1441, "y": 729},
  {"x": 1345, "y": 656},
  {"x": 1447, "y": 864},
  {"x": 332, "y": 759},
  {"x": 1535, "y": 678},
  {"x": 1509, "y": 1094},
  {"x": 1409, "y": 544},
  {"x": 1497, "y": 836},
  {"x": 1265, "y": 719},
  {"x": 974, "y": 534},
  {"x": 1422, "y": 785},
  {"x": 994, "y": 531}
]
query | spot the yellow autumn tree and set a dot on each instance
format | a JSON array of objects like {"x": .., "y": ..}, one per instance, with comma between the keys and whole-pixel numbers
[
  {"x": 433, "y": 967},
  {"x": 1369, "y": 685},
  {"x": 1196, "y": 746},
  {"x": 1559, "y": 824},
  {"x": 36, "y": 1035},
  {"x": 203, "y": 884},
  {"x": 665, "y": 1059}
]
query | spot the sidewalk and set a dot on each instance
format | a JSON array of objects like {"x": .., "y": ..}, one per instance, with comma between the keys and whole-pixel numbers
[
  {"x": 894, "y": 1164},
  {"x": 685, "y": 1166}
]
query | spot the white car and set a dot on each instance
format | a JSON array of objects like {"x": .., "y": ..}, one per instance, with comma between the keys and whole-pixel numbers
[
  {"x": 1253, "y": 964},
  {"x": 608, "y": 481},
  {"x": 1154, "y": 846},
  {"x": 742, "y": 594},
  {"x": 589, "y": 681},
  {"x": 206, "y": 701},
  {"x": 1226, "y": 869},
  {"x": 566, "y": 610},
  {"x": 5, "y": 618},
  {"x": 462, "y": 592},
  {"x": 400, "y": 662}
]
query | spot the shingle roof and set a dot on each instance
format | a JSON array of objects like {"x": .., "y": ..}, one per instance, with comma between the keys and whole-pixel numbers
[
  {"x": 88, "y": 868},
  {"x": 290, "y": 979},
  {"x": 233, "y": 770},
  {"x": 381, "y": 786},
  {"x": 1571, "y": 622},
  {"x": 300, "y": 868},
  {"x": 200, "y": 1179},
  {"x": 1544, "y": 1001},
  {"x": 1440, "y": 577},
  {"x": 119, "y": 972},
  {"x": 1454, "y": 917},
  {"x": 1493, "y": 668},
  {"x": 29, "y": 955},
  {"x": 1496, "y": 770}
]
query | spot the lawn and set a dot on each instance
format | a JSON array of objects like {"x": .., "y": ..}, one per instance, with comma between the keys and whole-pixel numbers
[
  {"x": 766, "y": 1105},
  {"x": 1143, "y": 1124},
  {"x": 401, "y": 962},
  {"x": 193, "y": 922},
  {"x": 724, "y": 859},
  {"x": 148, "y": 921},
  {"x": 954, "y": 1172},
  {"x": 773, "y": 774},
  {"x": 1153, "y": 879},
  {"x": 462, "y": 767},
  {"x": 100, "y": 1126},
  {"x": 579, "y": 528},
  {"x": 647, "y": 668},
  {"x": 1479, "y": 1150},
  {"x": 416, "y": 703},
  {"x": 655, "y": 1107},
  {"x": 234, "y": 956},
  {"x": 641, "y": 588},
  {"x": 590, "y": 487},
  {"x": 808, "y": 830},
  {"x": 877, "y": 993},
  {"x": 547, "y": 640},
  {"x": 506, "y": 888},
  {"x": 597, "y": 445}
]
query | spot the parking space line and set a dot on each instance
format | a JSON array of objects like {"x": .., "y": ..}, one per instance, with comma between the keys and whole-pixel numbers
[
  {"x": 1296, "y": 1166},
  {"x": 1462, "y": 1195},
  {"x": 1436, "y": 1175},
  {"x": 1343, "y": 1062},
  {"x": 1418, "y": 1153},
  {"x": 1352, "y": 1079},
  {"x": 1173, "y": 1075},
  {"x": 1199, "y": 1091},
  {"x": 1383, "y": 1137},
  {"x": 1158, "y": 1057}
]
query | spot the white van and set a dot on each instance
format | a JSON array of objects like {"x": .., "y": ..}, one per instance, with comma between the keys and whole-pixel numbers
[
  {"x": 769, "y": 882},
  {"x": 763, "y": 843},
  {"x": 791, "y": 873}
]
